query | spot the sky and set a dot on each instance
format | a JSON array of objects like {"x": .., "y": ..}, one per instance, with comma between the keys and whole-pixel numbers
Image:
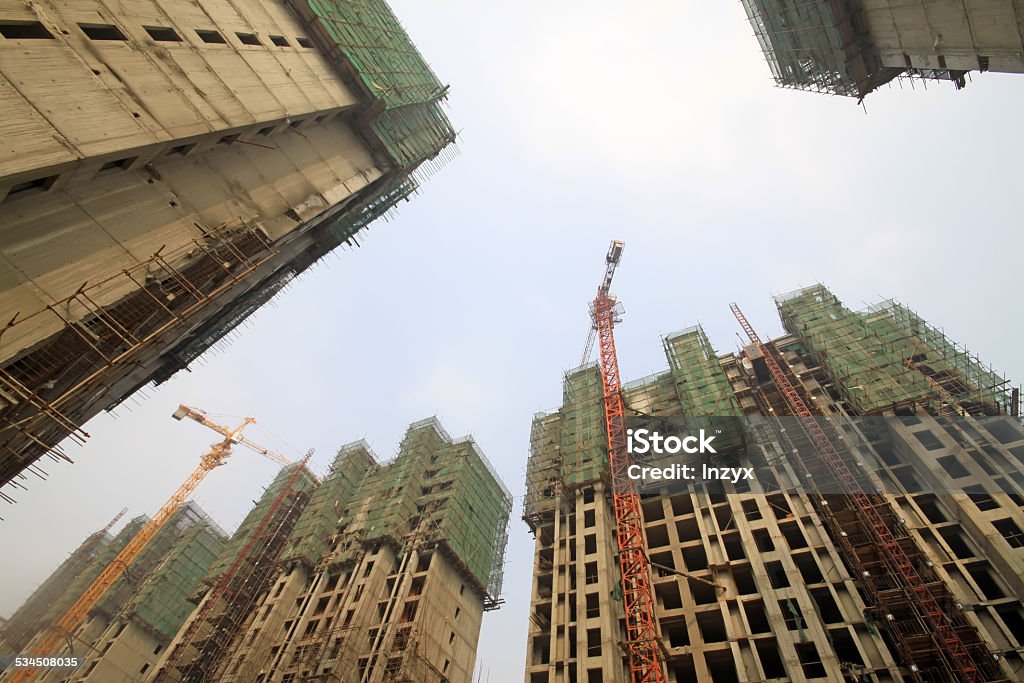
[{"x": 656, "y": 123}]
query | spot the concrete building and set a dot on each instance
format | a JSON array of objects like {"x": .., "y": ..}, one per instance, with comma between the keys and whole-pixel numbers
[
  {"x": 780, "y": 580},
  {"x": 237, "y": 580},
  {"x": 166, "y": 168},
  {"x": 137, "y": 618},
  {"x": 24, "y": 623},
  {"x": 852, "y": 48},
  {"x": 384, "y": 577}
]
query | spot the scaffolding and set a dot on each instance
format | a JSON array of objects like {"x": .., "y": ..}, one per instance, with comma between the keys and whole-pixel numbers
[
  {"x": 814, "y": 45},
  {"x": 311, "y": 539},
  {"x": 245, "y": 567},
  {"x": 703, "y": 390},
  {"x": 25, "y": 622},
  {"x": 379, "y": 205},
  {"x": 448, "y": 490},
  {"x": 123, "y": 593},
  {"x": 162, "y": 604},
  {"x": 96, "y": 335},
  {"x": 365, "y": 40},
  {"x": 916, "y": 608},
  {"x": 867, "y": 366},
  {"x": 438, "y": 496},
  {"x": 473, "y": 528},
  {"x": 583, "y": 441},
  {"x": 568, "y": 447},
  {"x": 886, "y": 357},
  {"x": 976, "y": 386}
]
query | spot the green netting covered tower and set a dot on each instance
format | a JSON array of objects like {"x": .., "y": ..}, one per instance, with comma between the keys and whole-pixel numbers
[
  {"x": 163, "y": 603},
  {"x": 304, "y": 486},
  {"x": 311, "y": 537},
  {"x": 438, "y": 492},
  {"x": 569, "y": 448},
  {"x": 886, "y": 357}
]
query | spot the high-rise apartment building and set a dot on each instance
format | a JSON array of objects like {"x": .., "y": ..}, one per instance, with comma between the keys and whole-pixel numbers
[
  {"x": 852, "y": 48},
  {"x": 779, "y": 579},
  {"x": 237, "y": 580},
  {"x": 136, "y": 619},
  {"x": 166, "y": 168},
  {"x": 26, "y": 621},
  {"x": 384, "y": 576}
]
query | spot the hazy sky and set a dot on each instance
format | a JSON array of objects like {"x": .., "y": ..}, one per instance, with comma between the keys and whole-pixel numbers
[{"x": 581, "y": 122}]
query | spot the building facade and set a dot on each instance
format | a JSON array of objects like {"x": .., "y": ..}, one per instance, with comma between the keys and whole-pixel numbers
[
  {"x": 167, "y": 168},
  {"x": 780, "y": 581},
  {"x": 139, "y": 615},
  {"x": 384, "y": 577},
  {"x": 852, "y": 48},
  {"x": 24, "y": 623}
]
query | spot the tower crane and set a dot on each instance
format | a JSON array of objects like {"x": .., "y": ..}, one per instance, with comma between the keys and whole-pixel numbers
[
  {"x": 643, "y": 644},
  {"x": 65, "y": 627},
  {"x": 94, "y": 540},
  {"x": 918, "y": 589}
]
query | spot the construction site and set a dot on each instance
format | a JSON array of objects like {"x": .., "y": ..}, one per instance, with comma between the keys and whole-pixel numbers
[
  {"x": 853, "y": 48},
  {"x": 378, "y": 571},
  {"x": 213, "y": 155},
  {"x": 902, "y": 566},
  {"x": 167, "y": 169},
  {"x": 139, "y": 615}
]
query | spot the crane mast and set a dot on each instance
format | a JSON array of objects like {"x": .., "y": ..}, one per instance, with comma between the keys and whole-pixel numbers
[
  {"x": 65, "y": 628},
  {"x": 918, "y": 590},
  {"x": 643, "y": 644},
  {"x": 90, "y": 545}
]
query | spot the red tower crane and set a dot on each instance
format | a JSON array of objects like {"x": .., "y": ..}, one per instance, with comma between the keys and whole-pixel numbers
[
  {"x": 944, "y": 634},
  {"x": 643, "y": 644}
]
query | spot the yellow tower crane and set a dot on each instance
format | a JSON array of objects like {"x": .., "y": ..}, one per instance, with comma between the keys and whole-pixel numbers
[{"x": 63, "y": 630}]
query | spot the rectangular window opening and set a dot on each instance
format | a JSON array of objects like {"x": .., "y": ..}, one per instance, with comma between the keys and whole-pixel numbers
[
  {"x": 102, "y": 32},
  {"x": 810, "y": 660},
  {"x": 24, "y": 30},
  {"x": 771, "y": 661},
  {"x": 210, "y": 36},
  {"x": 117, "y": 165},
  {"x": 163, "y": 34},
  {"x": 1010, "y": 531},
  {"x": 757, "y": 618},
  {"x": 30, "y": 187},
  {"x": 180, "y": 150}
]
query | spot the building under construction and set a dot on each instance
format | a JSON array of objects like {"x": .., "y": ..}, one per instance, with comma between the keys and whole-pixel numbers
[
  {"x": 903, "y": 562},
  {"x": 379, "y": 572},
  {"x": 25, "y": 622},
  {"x": 383, "y": 575},
  {"x": 137, "y": 618},
  {"x": 169, "y": 167},
  {"x": 852, "y": 48}
]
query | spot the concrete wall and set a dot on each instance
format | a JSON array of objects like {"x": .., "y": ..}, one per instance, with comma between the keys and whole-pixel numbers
[
  {"x": 135, "y": 136},
  {"x": 411, "y": 613},
  {"x": 128, "y": 653},
  {"x": 100, "y": 98},
  {"x": 966, "y": 35},
  {"x": 96, "y": 224},
  {"x": 750, "y": 586}
]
